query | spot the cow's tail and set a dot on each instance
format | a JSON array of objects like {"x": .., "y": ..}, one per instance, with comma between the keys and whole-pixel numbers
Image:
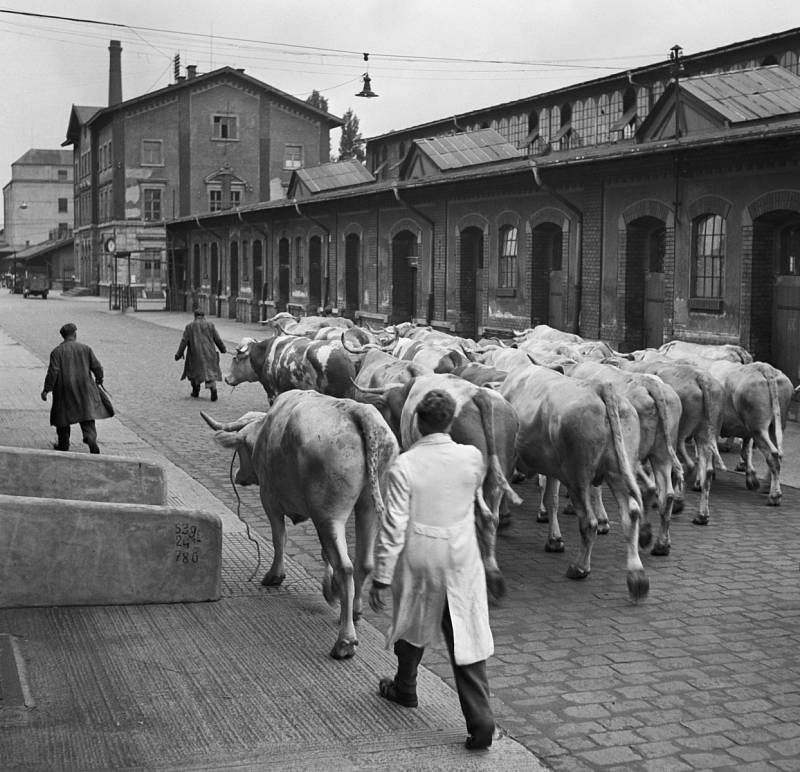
[
  {"x": 704, "y": 380},
  {"x": 380, "y": 449},
  {"x": 769, "y": 374},
  {"x": 610, "y": 397},
  {"x": 668, "y": 430},
  {"x": 483, "y": 401}
]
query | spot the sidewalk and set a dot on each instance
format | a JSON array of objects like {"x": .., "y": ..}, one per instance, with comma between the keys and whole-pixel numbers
[{"x": 243, "y": 683}]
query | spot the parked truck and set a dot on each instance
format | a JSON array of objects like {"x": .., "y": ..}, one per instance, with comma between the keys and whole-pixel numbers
[{"x": 36, "y": 284}]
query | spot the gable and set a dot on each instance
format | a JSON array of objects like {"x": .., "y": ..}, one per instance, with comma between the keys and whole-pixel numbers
[{"x": 721, "y": 100}]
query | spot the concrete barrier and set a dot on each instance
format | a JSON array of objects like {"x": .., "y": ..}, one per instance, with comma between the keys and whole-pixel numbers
[
  {"x": 60, "y": 552},
  {"x": 52, "y": 473}
]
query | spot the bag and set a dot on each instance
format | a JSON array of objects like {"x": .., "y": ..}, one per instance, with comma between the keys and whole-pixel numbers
[{"x": 105, "y": 398}]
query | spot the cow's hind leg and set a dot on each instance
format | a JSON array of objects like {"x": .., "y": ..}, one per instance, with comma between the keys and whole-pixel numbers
[
  {"x": 550, "y": 506},
  {"x": 277, "y": 522},
  {"x": 773, "y": 458},
  {"x": 665, "y": 497},
  {"x": 334, "y": 548},
  {"x": 587, "y": 526},
  {"x": 366, "y": 530},
  {"x": 630, "y": 516}
]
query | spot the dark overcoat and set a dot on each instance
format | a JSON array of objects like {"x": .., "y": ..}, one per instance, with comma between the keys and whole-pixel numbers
[
  {"x": 76, "y": 397},
  {"x": 202, "y": 359}
]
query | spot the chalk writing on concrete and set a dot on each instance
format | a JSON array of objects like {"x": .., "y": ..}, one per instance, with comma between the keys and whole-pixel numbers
[{"x": 187, "y": 539}]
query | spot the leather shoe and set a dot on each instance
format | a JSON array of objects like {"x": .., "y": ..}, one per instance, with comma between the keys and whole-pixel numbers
[
  {"x": 94, "y": 448},
  {"x": 56, "y": 446},
  {"x": 479, "y": 741},
  {"x": 213, "y": 395},
  {"x": 388, "y": 690}
]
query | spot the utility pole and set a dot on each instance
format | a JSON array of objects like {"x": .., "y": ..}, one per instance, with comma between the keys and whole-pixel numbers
[{"x": 676, "y": 57}]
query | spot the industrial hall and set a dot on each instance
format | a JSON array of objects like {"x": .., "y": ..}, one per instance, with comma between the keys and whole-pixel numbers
[{"x": 656, "y": 203}]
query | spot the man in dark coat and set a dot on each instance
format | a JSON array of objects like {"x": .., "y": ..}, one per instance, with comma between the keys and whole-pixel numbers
[
  {"x": 76, "y": 397},
  {"x": 202, "y": 360}
]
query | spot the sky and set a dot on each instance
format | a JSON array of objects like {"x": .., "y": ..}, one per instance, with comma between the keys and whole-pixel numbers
[{"x": 427, "y": 58}]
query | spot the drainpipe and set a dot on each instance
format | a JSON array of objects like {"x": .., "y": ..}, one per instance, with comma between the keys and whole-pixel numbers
[
  {"x": 432, "y": 223},
  {"x": 327, "y": 248},
  {"x": 578, "y": 214}
]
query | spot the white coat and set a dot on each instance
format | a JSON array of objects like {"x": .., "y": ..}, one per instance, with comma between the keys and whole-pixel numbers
[{"x": 428, "y": 548}]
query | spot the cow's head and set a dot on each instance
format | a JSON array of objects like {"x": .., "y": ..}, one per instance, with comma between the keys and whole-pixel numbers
[
  {"x": 241, "y": 368},
  {"x": 241, "y": 436}
]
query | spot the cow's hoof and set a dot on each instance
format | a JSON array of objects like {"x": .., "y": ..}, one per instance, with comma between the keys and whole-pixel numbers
[
  {"x": 751, "y": 481},
  {"x": 700, "y": 520},
  {"x": 542, "y": 517},
  {"x": 603, "y": 528},
  {"x": 645, "y": 535},
  {"x": 496, "y": 584},
  {"x": 741, "y": 466},
  {"x": 569, "y": 508},
  {"x": 638, "y": 585},
  {"x": 574, "y": 572},
  {"x": 517, "y": 477},
  {"x": 344, "y": 649},
  {"x": 504, "y": 523},
  {"x": 660, "y": 549},
  {"x": 273, "y": 580},
  {"x": 554, "y": 545},
  {"x": 774, "y": 501},
  {"x": 677, "y": 506}
]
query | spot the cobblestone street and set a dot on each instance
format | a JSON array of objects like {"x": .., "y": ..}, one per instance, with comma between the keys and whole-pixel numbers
[{"x": 703, "y": 674}]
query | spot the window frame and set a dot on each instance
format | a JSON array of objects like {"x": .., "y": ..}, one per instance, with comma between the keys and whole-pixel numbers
[
  {"x": 152, "y": 191},
  {"x": 507, "y": 260},
  {"x": 217, "y": 123},
  {"x": 290, "y": 164},
  {"x": 144, "y": 161},
  {"x": 708, "y": 264}
]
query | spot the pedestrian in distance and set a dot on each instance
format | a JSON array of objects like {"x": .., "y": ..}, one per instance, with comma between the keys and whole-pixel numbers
[
  {"x": 427, "y": 552},
  {"x": 202, "y": 360},
  {"x": 75, "y": 377}
]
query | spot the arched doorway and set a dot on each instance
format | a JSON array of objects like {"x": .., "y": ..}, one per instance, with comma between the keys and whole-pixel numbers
[
  {"x": 234, "y": 279},
  {"x": 284, "y": 274},
  {"x": 404, "y": 277},
  {"x": 644, "y": 283},
  {"x": 314, "y": 273},
  {"x": 775, "y": 309},
  {"x": 352, "y": 258},
  {"x": 547, "y": 306},
  {"x": 471, "y": 254}
]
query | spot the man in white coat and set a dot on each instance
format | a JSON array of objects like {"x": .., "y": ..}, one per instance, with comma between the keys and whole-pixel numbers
[{"x": 428, "y": 553}]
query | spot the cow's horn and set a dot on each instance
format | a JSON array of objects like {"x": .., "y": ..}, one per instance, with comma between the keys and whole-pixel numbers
[
  {"x": 351, "y": 350},
  {"x": 377, "y": 389},
  {"x": 213, "y": 423}
]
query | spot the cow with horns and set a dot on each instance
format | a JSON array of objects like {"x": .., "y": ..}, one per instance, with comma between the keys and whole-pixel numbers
[
  {"x": 318, "y": 458},
  {"x": 287, "y": 362}
]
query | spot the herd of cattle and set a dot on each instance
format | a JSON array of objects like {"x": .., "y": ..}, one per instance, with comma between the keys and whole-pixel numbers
[{"x": 342, "y": 404}]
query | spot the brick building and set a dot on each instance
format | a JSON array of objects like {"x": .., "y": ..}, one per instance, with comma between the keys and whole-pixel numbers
[
  {"x": 208, "y": 142},
  {"x": 661, "y": 202}
]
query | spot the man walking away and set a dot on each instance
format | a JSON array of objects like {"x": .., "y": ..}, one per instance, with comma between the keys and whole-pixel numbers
[
  {"x": 428, "y": 553},
  {"x": 76, "y": 398},
  {"x": 202, "y": 359}
]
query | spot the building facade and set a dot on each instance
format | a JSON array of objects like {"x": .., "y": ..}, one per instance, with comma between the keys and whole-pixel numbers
[
  {"x": 684, "y": 224},
  {"x": 38, "y": 199},
  {"x": 208, "y": 142}
]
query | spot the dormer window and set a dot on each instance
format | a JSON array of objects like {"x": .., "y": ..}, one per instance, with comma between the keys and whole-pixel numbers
[{"x": 629, "y": 121}]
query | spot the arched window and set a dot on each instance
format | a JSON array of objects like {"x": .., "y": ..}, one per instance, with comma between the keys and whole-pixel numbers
[
  {"x": 708, "y": 256},
  {"x": 507, "y": 262}
]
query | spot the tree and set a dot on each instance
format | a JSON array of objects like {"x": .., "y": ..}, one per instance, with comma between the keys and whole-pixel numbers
[
  {"x": 350, "y": 144},
  {"x": 317, "y": 100}
]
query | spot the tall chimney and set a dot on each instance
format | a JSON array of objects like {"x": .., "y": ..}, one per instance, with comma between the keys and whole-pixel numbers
[
  {"x": 191, "y": 71},
  {"x": 114, "y": 73}
]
